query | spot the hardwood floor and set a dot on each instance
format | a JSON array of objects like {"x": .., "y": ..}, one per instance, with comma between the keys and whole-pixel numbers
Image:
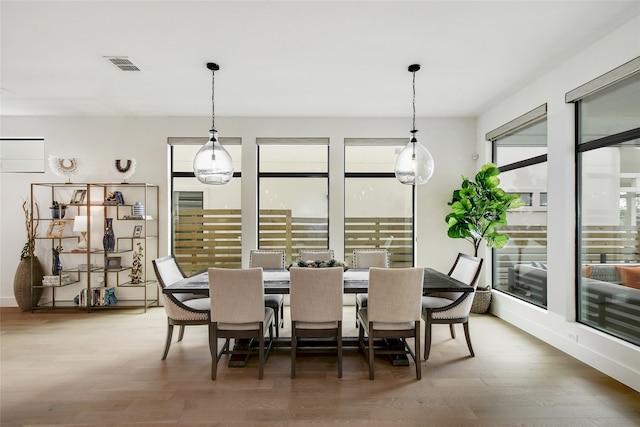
[{"x": 104, "y": 369}]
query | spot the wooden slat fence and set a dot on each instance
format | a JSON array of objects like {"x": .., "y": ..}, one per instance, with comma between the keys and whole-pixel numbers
[{"x": 212, "y": 237}]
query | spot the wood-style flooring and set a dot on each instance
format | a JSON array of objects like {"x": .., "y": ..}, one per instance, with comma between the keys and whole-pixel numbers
[{"x": 104, "y": 369}]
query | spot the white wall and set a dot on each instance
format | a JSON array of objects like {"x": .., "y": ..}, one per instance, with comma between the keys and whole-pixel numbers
[
  {"x": 555, "y": 325},
  {"x": 98, "y": 142}
]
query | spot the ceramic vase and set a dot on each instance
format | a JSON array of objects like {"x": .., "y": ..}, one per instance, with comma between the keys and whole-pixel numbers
[
  {"x": 56, "y": 264},
  {"x": 28, "y": 274}
]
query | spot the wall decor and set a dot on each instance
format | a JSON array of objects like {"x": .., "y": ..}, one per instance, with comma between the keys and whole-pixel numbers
[
  {"x": 63, "y": 167},
  {"x": 55, "y": 229}
]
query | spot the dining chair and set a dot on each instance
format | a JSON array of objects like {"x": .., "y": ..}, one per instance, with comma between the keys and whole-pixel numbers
[
  {"x": 315, "y": 255},
  {"x": 393, "y": 312},
  {"x": 273, "y": 259},
  {"x": 367, "y": 258},
  {"x": 450, "y": 308},
  {"x": 238, "y": 311},
  {"x": 316, "y": 308},
  {"x": 182, "y": 309}
]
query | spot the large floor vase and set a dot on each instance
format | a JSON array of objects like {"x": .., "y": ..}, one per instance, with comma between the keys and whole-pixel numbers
[{"x": 28, "y": 274}]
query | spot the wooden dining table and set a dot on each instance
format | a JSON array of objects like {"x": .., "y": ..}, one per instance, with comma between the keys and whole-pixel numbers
[{"x": 356, "y": 281}]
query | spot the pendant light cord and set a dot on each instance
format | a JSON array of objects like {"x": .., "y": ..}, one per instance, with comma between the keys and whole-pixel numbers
[
  {"x": 213, "y": 105},
  {"x": 414, "y": 102}
]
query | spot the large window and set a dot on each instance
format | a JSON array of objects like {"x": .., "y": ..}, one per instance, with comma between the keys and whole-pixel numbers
[
  {"x": 378, "y": 208},
  {"x": 520, "y": 151},
  {"x": 205, "y": 218},
  {"x": 608, "y": 175},
  {"x": 293, "y": 181}
]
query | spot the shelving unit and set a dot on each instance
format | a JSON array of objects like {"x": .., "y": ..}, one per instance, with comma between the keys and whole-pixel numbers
[{"x": 89, "y": 275}]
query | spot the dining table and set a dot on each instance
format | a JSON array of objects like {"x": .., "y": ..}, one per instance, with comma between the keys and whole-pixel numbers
[{"x": 356, "y": 281}]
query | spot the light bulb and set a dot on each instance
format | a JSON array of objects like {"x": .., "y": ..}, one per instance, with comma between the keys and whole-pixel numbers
[
  {"x": 414, "y": 164},
  {"x": 212, "y": 163}
]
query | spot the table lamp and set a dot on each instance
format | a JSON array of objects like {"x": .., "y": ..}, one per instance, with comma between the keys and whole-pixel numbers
[{"x": 80, "y": 224}]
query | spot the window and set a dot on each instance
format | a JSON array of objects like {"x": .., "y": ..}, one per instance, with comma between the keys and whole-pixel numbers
[
  {"x": 369, "y": 179},
  {"x": 520, "y": 151},
  {"x": 608, "y": 176},
  {"x": 206, "y": 226},
  {"x": 293, "y": 188}
]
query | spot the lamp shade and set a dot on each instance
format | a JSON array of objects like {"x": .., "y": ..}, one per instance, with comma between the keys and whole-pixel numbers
[
  {"x": 212, "y": 163},
  {"x": 80, "y": 223},
  {"x": 414, "y": 164}
]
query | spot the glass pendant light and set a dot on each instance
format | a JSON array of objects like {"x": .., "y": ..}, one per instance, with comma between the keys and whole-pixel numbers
[
  {"x": 414, "y": 164},
  {"x": 212, "y": 164}
]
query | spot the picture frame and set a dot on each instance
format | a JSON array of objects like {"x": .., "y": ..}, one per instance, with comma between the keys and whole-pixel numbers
[
  {"x": 113, "y": 263},
  {"x": 55, "y": 230},
  {"x": 137, "y": 231},
  {"x": 78, "y": 197}
]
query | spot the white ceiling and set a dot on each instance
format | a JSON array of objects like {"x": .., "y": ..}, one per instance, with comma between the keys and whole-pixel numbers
[{"x": 286, "y": 58}]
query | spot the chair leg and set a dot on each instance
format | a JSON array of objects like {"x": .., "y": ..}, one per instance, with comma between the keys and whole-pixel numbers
[
  {"x": 261, "y": 352},
  {"x": 339, "y": 349},
  {"x": 294, "y": 345},
  {"x": 371, "y": 375},
  {"x": 416, "y": 358},
  {"x": 465, "y": 325},
  {"x": 427, "y": 337},
  {"x": 167, "y": 343},
  {"x": 181, "y": 333},
  {"x": 452, "y": 330},
  {"x": 357, "y": 308},
  {"x": 213, "y": 349}
]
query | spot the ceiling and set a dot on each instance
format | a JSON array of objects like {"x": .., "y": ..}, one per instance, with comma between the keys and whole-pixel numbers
[{"x": 286, "y": 58}]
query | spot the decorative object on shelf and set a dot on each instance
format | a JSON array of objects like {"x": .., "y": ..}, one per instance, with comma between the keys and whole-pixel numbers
[
  {"x": 29, "y": 272},
  {"x": 56, "y": 264},
  {"x": 55, "y": 230},
  {"x": 58, "y": 210},
  {"x": 59, "y": 280},
  {"x": 138, "y": 209},
  {"x": 320, "y": 264},
  {"x": 78, "y": 197},
  {"x": 126, "y": 171},
  {"x": 109, "y": 238},
  {"x": 113, "y": 263},
  {"x": 114, "y": 198},
  {"x": 414, "y": 164},
  {"x": 212, "y": 163},
  {"x": 80, "y": 224},
  {"x": 137, "y": 231},
  {"x": 63, "y": 167},
  {"x": 136, "y": 269},
  {"x": 479, "y": 207}
]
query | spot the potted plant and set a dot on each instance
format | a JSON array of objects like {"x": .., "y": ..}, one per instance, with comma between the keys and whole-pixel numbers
[
  {"x": 29, "y": 272},
  {"x": 478, "y": 208},
  {"x": 57, "y": 210}
]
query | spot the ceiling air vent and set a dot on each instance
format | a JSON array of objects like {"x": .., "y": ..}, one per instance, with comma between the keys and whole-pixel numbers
[{"x": 123, "y": 63}]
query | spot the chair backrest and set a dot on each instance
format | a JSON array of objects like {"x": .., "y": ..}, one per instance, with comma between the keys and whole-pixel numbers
[
  {"x": 466, "y": 269},
  {"x": 316, "y": 294},
  {"x": 167, "y": 270},
  {"x": 315, "y": 255},
  {"x": 266, "y": 258},
  {"x": 237, "y": 295},
  {"x": 395, "y": 294},
  {"x": 366, "y": 258}
]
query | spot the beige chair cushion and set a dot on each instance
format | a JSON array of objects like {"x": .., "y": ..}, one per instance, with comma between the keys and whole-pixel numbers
[
  {"x": 316, "y": 294},
  {"x": 366, "y": 258},
  {"x": 315, "y": 255},
  {"x": 266, "y": 258},
  {"x": 237, "y": 295}
]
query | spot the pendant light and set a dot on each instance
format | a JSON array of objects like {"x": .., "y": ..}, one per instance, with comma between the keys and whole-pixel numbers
[
  {"x": 212, "y": 164},
  {"x": 414, "y": 164}
]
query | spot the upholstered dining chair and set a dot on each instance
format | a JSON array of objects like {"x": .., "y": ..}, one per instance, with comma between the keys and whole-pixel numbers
[
  {"x": 450, "y": 308},
  {"x": 274, "y": 259},
  {"x": 367, "y": 258},
  {"x": 316, "y": 308},
  {"x": 238, "y": 311},
  {"x": 393, "y": 312},
  {"x": 315, "y": 255},
  {"x": 182, "y": 309}
]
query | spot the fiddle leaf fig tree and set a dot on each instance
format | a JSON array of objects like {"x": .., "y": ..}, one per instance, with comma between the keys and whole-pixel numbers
[{"x": 479, "y": 207}]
